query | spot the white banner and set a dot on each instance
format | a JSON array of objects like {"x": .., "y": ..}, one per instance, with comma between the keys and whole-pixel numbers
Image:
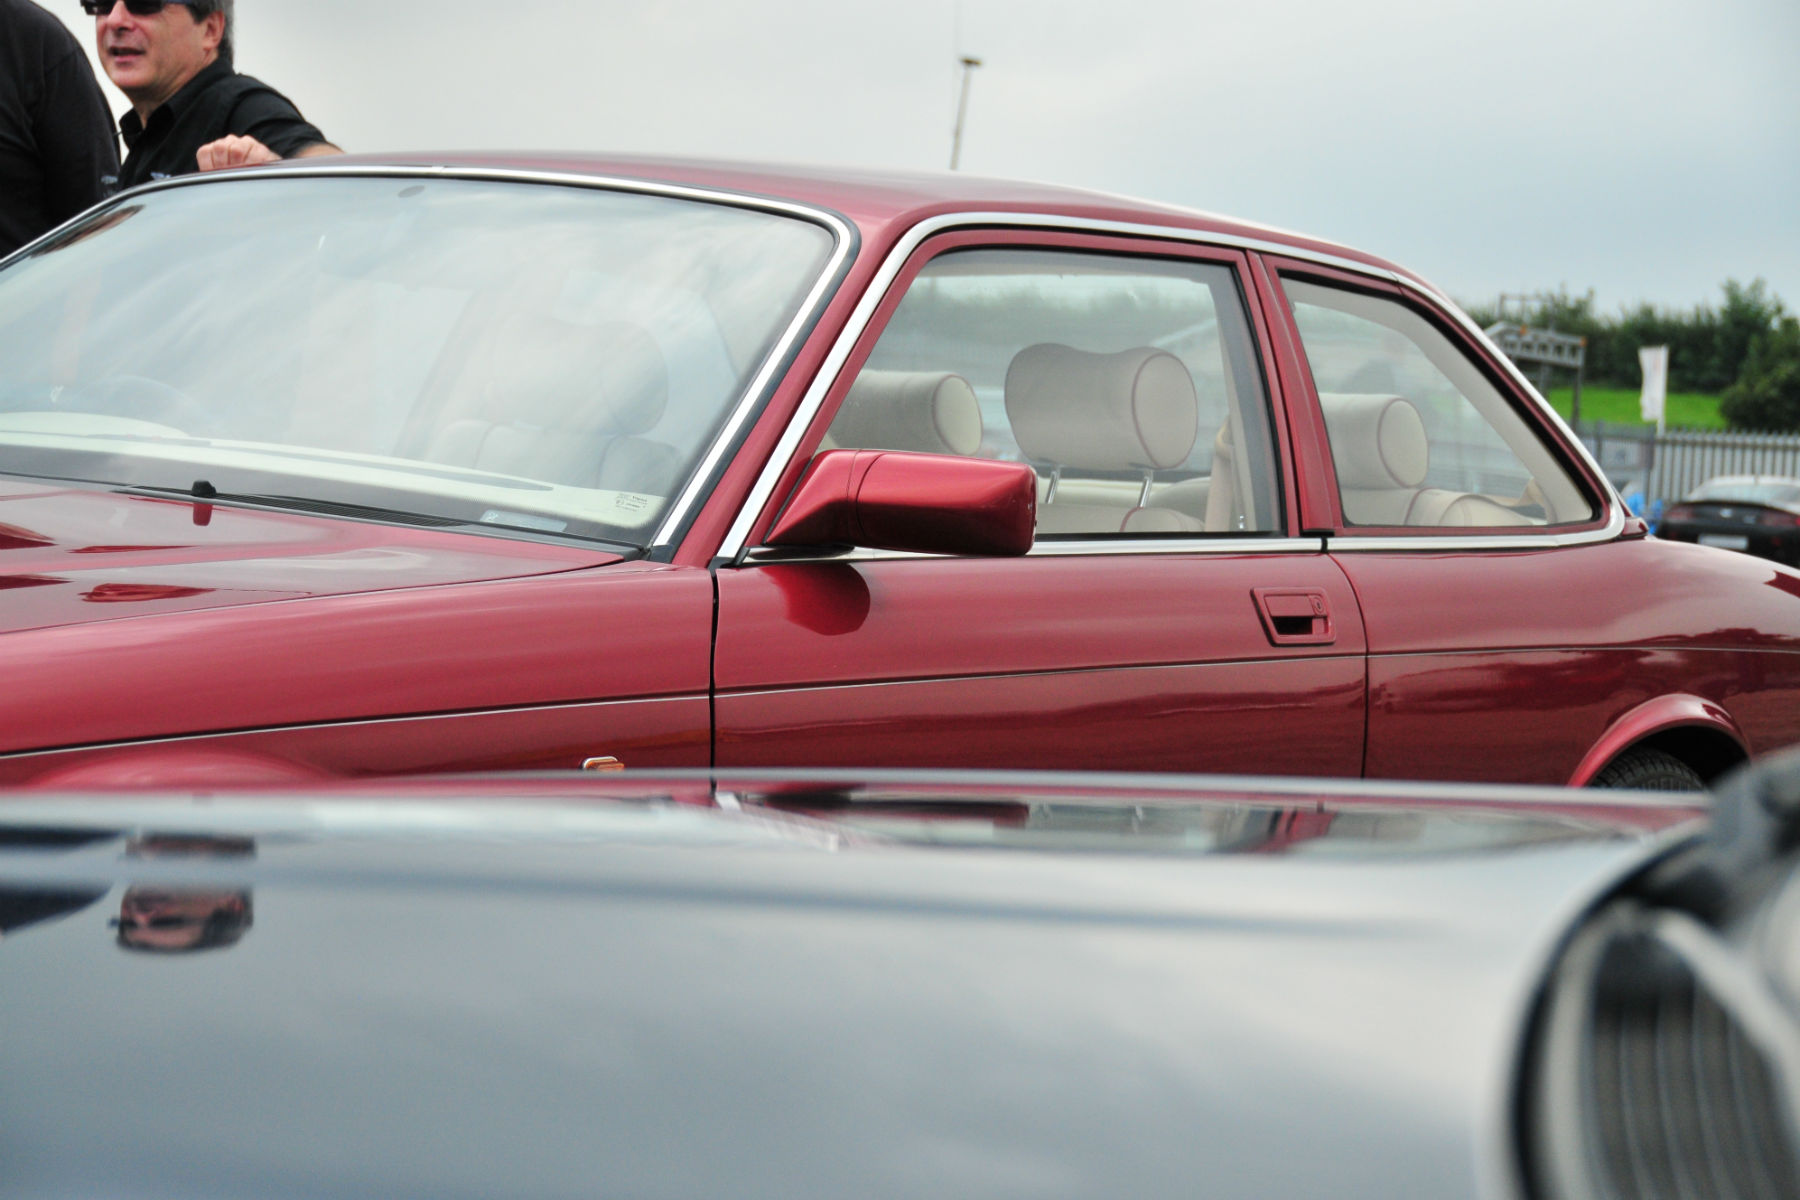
[{"x": 1655, "y": 362}]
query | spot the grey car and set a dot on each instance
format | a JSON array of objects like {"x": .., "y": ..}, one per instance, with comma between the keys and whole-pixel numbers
[{"x": 769, "y": 985}]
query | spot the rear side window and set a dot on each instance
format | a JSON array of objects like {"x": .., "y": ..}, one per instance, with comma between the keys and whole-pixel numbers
[
  {"x": 1419, "y": 435},
  {"x": 1130, "y": 384}
]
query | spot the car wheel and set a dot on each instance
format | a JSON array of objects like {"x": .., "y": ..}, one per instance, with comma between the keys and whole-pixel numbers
[{"x": 1650, "y": 771}]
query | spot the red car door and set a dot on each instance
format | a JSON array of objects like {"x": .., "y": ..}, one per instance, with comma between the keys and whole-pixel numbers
[
  {"x": 1520, "y": 630},
  {"x": 1169, "y": 617}
]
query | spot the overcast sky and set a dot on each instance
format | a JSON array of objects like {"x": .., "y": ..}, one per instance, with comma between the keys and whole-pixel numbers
[{"x": 1647, "y": 149}]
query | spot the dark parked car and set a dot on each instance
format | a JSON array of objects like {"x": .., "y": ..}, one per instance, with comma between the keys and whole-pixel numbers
[
  {"x": 371, "y": 468},
  {"x": 1757, "y": 514},
  {"x": 766, "y": 986}
]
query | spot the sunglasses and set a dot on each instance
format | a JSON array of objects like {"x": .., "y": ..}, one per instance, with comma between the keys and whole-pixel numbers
[{"x": 137, "y": 8}]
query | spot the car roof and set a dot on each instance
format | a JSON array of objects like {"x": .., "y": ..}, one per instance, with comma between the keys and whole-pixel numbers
[{"x": 880, "y": 200}]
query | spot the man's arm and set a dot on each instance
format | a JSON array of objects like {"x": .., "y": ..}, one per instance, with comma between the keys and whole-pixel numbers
[
  {"x": 265, "y": 127},
  {"x": 235, "y": 151}
]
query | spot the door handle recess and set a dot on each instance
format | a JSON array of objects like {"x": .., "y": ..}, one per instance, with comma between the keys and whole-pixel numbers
[{"x": 1295, "y": 616}]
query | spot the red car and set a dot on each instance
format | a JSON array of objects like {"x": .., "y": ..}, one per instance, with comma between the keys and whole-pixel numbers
[{"x": 409, "y": 466}]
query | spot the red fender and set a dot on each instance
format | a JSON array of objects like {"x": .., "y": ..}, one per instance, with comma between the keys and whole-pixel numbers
[{"x": 1650, "y": 718}]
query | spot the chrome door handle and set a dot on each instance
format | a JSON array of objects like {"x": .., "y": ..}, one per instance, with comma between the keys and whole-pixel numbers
[{"x": 1295, "y": 616}]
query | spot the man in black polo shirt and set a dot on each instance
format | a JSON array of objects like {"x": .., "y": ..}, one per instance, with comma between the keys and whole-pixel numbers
[
  {"x": 56, "y": 134},
  {"x": 189, "y": 110}
]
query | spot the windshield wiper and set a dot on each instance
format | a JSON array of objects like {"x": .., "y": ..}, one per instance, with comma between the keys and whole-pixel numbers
[
  {"x": 202, "y": 490},
  {"x": 493, "y": 521}
]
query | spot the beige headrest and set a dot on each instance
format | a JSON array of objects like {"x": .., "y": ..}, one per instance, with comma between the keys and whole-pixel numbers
[
  {"x": 547, "y": 372},
  {"x": 1123, "y": 411},
  {"x": 1376, "y": 441},
  {"x": 928, "y": 411}
]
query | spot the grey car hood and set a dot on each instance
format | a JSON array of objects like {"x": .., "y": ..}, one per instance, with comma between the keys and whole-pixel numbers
[{"x": 449, "y": 998}]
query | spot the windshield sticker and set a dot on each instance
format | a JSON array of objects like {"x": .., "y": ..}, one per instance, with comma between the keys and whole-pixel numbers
[{"x": 515, "y": 520}]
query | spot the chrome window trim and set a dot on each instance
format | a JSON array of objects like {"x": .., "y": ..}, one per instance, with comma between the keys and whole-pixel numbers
[
  {"x": 762, "y": 556},
  {"x": 752, "y": 398},
  {"x": 1423, "y": 543},
  {"x": 1429, "y": 542},
  {"x": 1216, "y": 545},
  {"x": 735, "y": 545},
  {"x": 1611, "y": 504},
  {"x": 736, "y": 539}
]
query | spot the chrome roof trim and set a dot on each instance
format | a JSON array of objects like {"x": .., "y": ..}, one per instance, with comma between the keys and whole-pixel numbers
[
  {"x": 1166, "y": 233},
  {"x": 736, "y": 538},
  {"x": 609, "y": 183},
  {"x": 1099, "y": 548},
  {"x": 843, "y": 233}
]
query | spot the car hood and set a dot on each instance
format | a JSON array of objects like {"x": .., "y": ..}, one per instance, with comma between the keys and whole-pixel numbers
[
  {"x": 70, "y": 554},
  {"x": 683, "y": 991}
]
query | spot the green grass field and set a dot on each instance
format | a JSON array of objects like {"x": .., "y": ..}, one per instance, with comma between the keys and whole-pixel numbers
[{"x": 1619, "y": 406}]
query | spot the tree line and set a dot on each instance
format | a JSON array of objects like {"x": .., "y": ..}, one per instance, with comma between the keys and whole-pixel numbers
[{"x": 1746, "y": 349}]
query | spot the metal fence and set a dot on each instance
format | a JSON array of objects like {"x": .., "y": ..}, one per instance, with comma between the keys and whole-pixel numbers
[{"x": 1665, "y": 468}]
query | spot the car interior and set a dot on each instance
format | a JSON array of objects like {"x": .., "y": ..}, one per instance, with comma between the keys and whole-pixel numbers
[
  {"x": 1118, "y": 379},
  {"x": 1132, "y": 388}
]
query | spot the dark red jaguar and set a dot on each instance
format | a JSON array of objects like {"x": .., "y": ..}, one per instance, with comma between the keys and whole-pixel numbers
[{"x": 423, "y": 465}]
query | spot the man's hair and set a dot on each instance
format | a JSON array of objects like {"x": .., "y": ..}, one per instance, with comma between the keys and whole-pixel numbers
[{"x": 202, "y": 9}]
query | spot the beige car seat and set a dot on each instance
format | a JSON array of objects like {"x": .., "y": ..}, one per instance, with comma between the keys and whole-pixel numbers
[
  {"x": 1130, "y": 412},
  {"x": 1381, "y": 453},
  {"x": 565, "y": 403},
  {"x": 930, "y": 412}
]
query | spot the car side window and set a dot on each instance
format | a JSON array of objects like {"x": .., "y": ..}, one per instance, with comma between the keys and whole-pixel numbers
[
  {"x": 1130, "y": 384},
  {"x": 1419, "y": 435}
]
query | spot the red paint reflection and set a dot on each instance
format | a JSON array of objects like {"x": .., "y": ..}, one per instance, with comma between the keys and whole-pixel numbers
[
  {"x": 138, "y": 593},
  {"x": 122, "y": 549},
  {"x": 14, "y": 538},
  {"x": 10, "y": 582},
  {"x": 828, "y": 598}
]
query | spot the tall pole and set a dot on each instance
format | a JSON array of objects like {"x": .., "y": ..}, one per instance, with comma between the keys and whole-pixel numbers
[{"x": 962, "y": 109}]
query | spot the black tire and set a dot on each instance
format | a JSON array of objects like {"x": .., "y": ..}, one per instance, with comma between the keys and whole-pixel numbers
[{"x": 1648, "y": 770}]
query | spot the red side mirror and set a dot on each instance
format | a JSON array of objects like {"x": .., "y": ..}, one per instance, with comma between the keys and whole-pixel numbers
[{"x": 922, "y": 503}]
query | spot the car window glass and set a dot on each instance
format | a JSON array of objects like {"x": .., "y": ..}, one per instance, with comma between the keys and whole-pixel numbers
[
  {"x": 551, "y": 360},
  {"x": 1419, "y": 435},
  {"x": 682, "y": 324},
  {"x": 1130, "y": 384}
]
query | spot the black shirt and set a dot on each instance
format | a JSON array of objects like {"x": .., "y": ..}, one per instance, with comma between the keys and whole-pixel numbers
[
  {"x": 216, "y": 102},
  {"x": 56, "y": 133}
]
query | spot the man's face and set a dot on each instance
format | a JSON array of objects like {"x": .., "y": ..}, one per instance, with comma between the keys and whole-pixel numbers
[{"x": 150, "y": 58}]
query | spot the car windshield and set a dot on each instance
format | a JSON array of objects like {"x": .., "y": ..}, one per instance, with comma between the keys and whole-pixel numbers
[
  {"x": 1747, "y": 491},
  {"x": 509, "y": 356}
]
